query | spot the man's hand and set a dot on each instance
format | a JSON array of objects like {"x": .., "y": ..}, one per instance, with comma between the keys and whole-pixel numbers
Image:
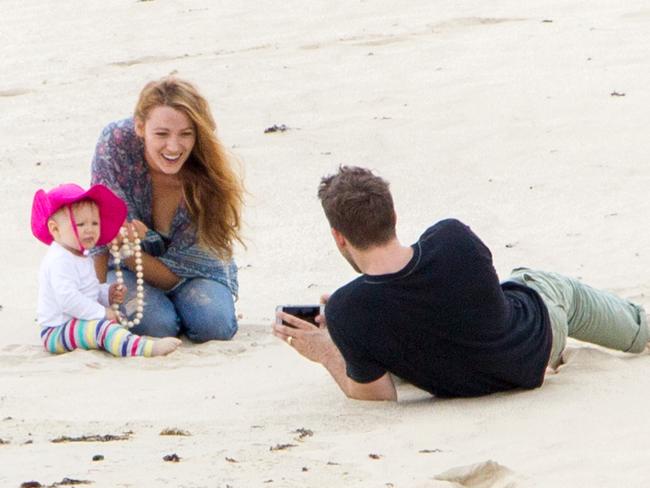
[
  {"x": 312, "y": 342},
  {"x": 315, "y": 344},
  {"x": 116, "y": 293},
  {"x": 320, "y": 319}
]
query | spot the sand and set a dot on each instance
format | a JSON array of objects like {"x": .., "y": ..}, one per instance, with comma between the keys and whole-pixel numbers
[{"x": 527, "y": 120}]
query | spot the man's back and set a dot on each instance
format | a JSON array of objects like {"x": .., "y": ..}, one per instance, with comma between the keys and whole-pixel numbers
[{"x": 443, "y": 322}]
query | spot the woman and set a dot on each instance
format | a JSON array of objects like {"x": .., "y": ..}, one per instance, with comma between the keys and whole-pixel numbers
[{"x": 184, "y": 200}]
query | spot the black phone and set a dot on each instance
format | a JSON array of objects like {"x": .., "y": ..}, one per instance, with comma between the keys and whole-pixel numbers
[{"x": 307, "y": 313}]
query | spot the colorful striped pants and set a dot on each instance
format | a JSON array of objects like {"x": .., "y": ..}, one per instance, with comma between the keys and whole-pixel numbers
[{"x": 95, "y": 334}]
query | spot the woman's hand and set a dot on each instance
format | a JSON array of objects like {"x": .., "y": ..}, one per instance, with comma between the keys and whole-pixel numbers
[
  {"x": 133, "y": 228},
  {"x": 137, "y": 226}
]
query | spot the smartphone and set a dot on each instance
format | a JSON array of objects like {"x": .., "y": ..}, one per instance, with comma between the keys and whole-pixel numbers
[{"x": 307, "y": 313}]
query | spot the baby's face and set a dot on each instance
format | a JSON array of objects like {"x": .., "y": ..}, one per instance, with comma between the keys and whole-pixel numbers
[{"x": 86, "y": 216}]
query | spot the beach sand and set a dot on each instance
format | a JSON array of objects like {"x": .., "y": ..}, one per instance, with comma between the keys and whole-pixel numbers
[{"x": 528, "y": 122}]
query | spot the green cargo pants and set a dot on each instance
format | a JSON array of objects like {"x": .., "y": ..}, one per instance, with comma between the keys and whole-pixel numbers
[{"x": 584, "y": 313}]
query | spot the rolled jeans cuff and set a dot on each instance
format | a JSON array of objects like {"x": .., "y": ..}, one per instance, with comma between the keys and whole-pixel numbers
[{"x": 180, "y": 283}]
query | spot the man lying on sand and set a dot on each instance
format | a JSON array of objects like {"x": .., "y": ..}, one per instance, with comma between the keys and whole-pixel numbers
[{"x": 435, "y": 314}]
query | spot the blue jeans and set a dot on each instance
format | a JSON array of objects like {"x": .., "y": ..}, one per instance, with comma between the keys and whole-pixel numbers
[{"x": 201, "y": 309}]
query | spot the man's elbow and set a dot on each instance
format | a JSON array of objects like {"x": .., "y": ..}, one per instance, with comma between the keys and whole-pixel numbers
[
  {"x": 362, "y": 392},
  {"x": 372, "y": 398}
]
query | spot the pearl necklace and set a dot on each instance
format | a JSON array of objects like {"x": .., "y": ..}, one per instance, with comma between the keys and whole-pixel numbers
[{"x": 129, "y": 249}]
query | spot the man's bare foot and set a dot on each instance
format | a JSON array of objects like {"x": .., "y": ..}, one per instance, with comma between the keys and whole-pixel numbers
[{"x": 162, "y": 347}]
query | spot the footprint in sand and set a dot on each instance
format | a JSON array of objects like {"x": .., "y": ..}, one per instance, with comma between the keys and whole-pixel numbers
[
  {"x": 147, "y": 60},
  {"x": 461, "y": 22},
  {"x": 16, "y": 92},
  {"x": 637, "y": 15},
  {"x": 382, "y": 40}
]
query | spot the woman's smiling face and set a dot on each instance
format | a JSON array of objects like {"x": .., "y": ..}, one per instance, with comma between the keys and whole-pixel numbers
[{"x": 169, "y": 137}]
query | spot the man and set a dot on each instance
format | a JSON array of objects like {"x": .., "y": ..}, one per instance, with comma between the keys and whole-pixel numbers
[{"x": 435, "y": 314}]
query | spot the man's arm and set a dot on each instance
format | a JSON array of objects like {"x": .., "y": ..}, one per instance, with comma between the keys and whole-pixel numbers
[
  {"x": 315, "y": 344},
  {"x": 380, "y": 389}
]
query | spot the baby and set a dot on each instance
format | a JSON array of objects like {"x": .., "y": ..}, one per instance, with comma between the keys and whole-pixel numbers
[{"x": 74, "y": 309}]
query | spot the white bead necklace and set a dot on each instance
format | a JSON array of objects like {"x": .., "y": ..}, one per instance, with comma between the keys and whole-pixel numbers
[{"x": 128, "y": 249}]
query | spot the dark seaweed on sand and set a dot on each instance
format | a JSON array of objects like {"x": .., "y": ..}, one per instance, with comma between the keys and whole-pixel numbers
[
  {"x": 281, "y": 447},
  {"x": 93, "y": 438},
  {"x": 276, "y": 128},
  {"x": 63, "y": 482},
  {"x": 302, "y": 433},
  {"x": 174, "y": 431},
  {"x": 172, "y": 458}
]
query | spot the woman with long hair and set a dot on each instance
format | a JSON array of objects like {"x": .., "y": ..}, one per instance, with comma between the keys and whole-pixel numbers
[{"x": 184, "y": 201}]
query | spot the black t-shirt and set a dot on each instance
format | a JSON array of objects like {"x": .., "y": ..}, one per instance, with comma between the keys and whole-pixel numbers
[{"x": 444, "y": 322}]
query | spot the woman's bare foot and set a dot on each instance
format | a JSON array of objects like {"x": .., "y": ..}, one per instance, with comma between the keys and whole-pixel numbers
[{"x": 162, "y": 347}]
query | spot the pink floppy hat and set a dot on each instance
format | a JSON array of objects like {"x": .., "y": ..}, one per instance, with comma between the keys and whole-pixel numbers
[{"x": 112, "y": 210}]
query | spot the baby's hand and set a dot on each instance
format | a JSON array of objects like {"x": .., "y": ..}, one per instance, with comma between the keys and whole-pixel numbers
[
  {"x": 112, "y": 314},
  {"x": 116, "y": 293}
]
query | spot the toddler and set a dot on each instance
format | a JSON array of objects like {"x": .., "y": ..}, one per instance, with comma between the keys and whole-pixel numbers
[{"x": 74, "y": 309}]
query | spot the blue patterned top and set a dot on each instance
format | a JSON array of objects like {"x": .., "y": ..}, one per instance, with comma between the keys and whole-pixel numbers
[{"x": 120, "y": 165}]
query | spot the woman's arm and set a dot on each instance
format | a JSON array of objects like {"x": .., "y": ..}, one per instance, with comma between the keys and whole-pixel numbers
[
  {"x": 155, "y": 272},
  {"x": 101, "y": 266},
  {"x": 112, "y": 164}
]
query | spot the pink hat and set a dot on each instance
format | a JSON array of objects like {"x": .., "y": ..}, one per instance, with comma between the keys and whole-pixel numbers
[{"x": 112, "y": 210}]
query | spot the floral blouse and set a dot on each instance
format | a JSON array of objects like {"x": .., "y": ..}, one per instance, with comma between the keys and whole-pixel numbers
[{"x": 119, "y": 164}]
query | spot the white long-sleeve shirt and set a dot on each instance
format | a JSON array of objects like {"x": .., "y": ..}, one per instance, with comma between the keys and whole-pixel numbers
[{"x": 69, "y": 288}]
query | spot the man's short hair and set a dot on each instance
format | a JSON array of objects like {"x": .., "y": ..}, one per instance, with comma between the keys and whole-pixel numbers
[{"x": 359, "y": 205}]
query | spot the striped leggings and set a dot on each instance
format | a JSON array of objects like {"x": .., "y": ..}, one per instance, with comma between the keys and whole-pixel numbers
[{"x": 95, "y": 334}]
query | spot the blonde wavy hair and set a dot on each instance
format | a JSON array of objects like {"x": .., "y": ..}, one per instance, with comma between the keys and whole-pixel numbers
[{"x": 212, "y": 189}]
